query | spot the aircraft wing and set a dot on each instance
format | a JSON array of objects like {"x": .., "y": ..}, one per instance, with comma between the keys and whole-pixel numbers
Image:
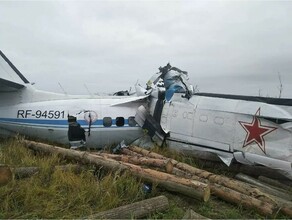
[
  {"x": 9, "y": 86},
  {"x": 128, "y": 100},
  {"x": 11, "y": 78}
]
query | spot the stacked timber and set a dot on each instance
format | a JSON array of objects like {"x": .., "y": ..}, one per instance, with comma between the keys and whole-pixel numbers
[
  {"x": 178, "y": 177},
  {"x": 188, "y": 187},
  {"x": 228, "y": 189}
]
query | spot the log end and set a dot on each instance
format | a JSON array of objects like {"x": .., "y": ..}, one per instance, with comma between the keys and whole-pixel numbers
[
  {"x": 169, "y": 166},
  {"x": 5, "y": 175},
  {"x": 207, "y": 194},
  {"x": 287, "y": 211}
]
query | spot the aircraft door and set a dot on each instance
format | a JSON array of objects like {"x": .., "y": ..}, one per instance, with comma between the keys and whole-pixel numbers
[
  {"x": 214, "y": 129},
  {"x": 165, "y": 121},
  {"x": 178, "y": 118},
  {"x": 81, "y": 126}
]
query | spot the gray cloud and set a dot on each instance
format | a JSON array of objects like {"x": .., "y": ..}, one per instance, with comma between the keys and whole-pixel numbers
[{"x": 226, "y": 46}]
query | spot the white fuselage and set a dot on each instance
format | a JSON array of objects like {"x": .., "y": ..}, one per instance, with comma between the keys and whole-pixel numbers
[
  {"x": 106, "y": 120},
  {"x": 250, "y": 132}
]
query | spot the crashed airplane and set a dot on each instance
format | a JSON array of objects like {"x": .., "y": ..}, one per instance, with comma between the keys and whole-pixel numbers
[{"x": 246, "y": 129}]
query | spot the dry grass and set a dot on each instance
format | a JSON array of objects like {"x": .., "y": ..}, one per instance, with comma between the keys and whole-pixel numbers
[{"x": 57, "y": 194}]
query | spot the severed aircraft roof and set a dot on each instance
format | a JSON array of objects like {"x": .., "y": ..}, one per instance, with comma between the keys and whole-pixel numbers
[{"x": 273, "y": 101}]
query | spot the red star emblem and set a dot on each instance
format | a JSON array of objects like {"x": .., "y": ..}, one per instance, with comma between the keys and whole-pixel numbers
[{"x": 256, "y": 132}]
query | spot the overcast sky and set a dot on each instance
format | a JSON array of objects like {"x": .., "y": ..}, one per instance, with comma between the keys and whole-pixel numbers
[{"x": 235, "y": 47}]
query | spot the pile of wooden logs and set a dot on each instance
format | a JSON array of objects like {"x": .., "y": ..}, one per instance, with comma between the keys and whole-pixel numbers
[
  {"x": 180, "y": 177},
  {"x": 228, "y": 189}
]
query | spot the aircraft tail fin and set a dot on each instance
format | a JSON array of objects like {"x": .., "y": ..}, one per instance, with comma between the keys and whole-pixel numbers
[{"x": 11, "y": 78}]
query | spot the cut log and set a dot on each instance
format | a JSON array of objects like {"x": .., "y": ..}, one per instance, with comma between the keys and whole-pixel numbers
[
  {"x": 5, "y": 175},
  {"x": 130, "y": 152},
  {"x": 281, "y": 199},
  {"x": 184, "y": 174},
  {"x": 246, "y": 201},
  {"x": 81, "y": 156},
  {"x": 286, "y": 182},
  {"x": 275, "y": 183},
  {"x": 135, "y": 210},
  {"x": 198, "y": 190},
  {"x": 169, "y": 166},
  {"x": 25, "y": 172},
  {"x": 146, "y": 153},
  {"x": 251, "y": 170},
  {"x": 191, "y": 214},
  {"x": 264, "y": 187},
  {"x": 165, "y": 164},
  {"x": 192, "y": 188},
  {"x": 286, "y": 210}
]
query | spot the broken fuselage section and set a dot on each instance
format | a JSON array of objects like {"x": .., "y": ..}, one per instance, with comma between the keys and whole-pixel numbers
[{"x": 249, "y": 130}]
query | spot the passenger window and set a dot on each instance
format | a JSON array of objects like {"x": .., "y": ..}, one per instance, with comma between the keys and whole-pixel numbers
[
  {"x": 107, "y": 121},
  {"x": 132, "y": 122},
  {"x": 120, "y": 121}
]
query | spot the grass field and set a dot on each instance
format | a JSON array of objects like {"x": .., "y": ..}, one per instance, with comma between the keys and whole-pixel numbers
[{"x": 53, "y": 193}]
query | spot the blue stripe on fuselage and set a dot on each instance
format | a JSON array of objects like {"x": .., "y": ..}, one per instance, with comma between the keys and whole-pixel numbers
[{"x": 58, "y": 123}]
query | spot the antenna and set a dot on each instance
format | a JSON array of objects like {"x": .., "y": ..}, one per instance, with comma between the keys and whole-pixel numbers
[
  {"x": 62, "y": 88},
  {"x": 87, "y": 89}
]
